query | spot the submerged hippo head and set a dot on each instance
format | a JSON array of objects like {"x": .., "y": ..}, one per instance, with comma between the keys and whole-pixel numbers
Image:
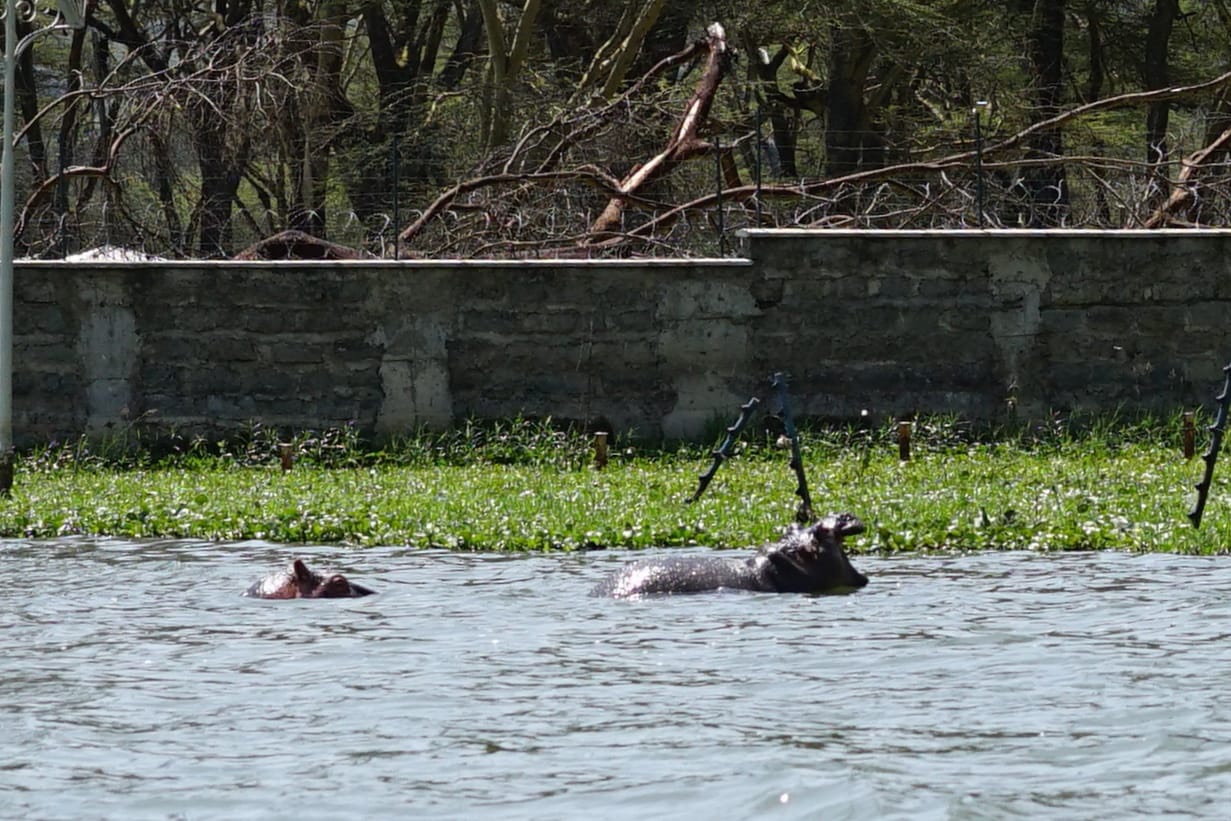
[
  {"x": 298, "y": 582},
  {"x": 811, "y": 559}
]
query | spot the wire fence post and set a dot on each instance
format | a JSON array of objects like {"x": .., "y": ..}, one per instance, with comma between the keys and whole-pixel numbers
[
  {"x": 756, "y": 166},
  {"x": 979, "y": 193},
  {"x": 722, "y": 229},
  {"x": 396, "y": 161}
]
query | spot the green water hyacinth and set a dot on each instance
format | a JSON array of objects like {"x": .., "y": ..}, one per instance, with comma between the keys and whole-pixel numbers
[{"x": 528, "y": 486}]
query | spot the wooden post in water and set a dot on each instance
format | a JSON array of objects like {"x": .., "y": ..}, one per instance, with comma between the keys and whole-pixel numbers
[
  {"x": 286, "y": 453},
  {"x": 600, "y": 449},
  {"x": 1190, "y": 435},
  {"x": 6, "y": 473},
  {"x": 904, "y": 441}
]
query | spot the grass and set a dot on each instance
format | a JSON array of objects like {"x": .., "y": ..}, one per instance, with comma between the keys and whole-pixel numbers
[{"x": 520, "y": 485}]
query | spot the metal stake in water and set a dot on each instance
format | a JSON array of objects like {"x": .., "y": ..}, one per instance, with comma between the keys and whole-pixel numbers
[
  {"x": 723, "y": 451},
  {"x": 1211, "y": 455},
  {"x": 805, "y": 513}
]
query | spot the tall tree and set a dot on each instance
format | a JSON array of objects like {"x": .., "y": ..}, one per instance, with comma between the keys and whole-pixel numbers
[
  {"x": 1045, "y": 180},
  {"x": 206, "y": 63},
  {"x": 506, "y": 52},
  {"x": 323, "y": 107},
  {"x": 1157, "y": 75},
  {"x": 848, "y": 132}
]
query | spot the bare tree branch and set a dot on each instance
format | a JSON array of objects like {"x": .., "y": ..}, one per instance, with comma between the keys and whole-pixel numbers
[
  {"x": 684, "y": 142},
  {"x": 1182, "y": 193}
]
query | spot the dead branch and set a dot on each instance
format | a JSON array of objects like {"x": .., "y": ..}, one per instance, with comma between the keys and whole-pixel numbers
[
  {"x": 586, "y": 174},
  {"x": 298, "y": 245},
  {"x": 44, "y": 190},
  {"x": 591, "y": 121},
  {"x": 961, "y": 159},
  {"x": 1182, "y": 193},
  {"x": 684, "y": 142},
  {"x": 1119, "y": 101}
]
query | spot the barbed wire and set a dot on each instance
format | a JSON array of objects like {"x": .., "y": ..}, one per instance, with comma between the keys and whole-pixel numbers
[
  {"x": 541, "y": 196},
  {"x": 523, "y": 218}
]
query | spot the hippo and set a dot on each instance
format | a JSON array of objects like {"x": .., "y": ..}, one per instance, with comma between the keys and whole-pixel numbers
[
  {"x": 298, "y": 582},
  {"x": 808, "y": 559}
]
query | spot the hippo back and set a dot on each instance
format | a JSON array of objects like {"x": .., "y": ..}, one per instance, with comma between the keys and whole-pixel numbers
[
  {"x": 681, "y": 574},
  {"x": 804, "y": 560}
]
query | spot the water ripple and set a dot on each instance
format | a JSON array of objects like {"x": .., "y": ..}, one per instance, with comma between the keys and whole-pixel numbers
[{"x": 139, "y": 684}]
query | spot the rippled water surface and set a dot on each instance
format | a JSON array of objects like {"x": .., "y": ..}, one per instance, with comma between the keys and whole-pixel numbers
[{"x": 135, "y": 682}]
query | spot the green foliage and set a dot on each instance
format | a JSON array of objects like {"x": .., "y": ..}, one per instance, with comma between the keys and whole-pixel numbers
[{"x": 1101, "y": 483}]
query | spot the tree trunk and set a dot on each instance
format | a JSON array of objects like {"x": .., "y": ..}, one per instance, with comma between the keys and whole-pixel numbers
[
  {"x": 27, "y": 103},
  {"x": 218, "y": 186},
  {"x": 469, "y": 45},
  {"x": 507, "y": 61},
  {"x": 1046, "y": 185},
  {"x": 1094, "y": 35},
  {"x": 1157, "y": 76},
  {"x": 846, "y": 129},
  {"x": 779, "y": 147},
  {"x": 66, "y": 231},
  {"x": 321, "y": 103}
]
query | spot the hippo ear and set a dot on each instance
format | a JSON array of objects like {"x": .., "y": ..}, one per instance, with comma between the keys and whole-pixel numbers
[{"x": 301, "y": 572}]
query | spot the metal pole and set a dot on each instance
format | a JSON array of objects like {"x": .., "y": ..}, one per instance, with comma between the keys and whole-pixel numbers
[
  {"x": 722, "y": 229},
  {"x": 397, "y": 184},
  {"x": 6, "y": 229},
  {"x": 71, "y": 16},
  {"x": 757, "y": 165},
  {"x": 979, "y": 193}
]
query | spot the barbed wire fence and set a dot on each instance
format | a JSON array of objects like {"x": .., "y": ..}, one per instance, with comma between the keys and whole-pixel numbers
[{"x": 507, "y": 205}]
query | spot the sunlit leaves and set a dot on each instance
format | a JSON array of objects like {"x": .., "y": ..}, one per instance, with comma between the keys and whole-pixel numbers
[{"x": 1123, "y": 488}]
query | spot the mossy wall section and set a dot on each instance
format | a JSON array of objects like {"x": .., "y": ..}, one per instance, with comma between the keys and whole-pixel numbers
[{"x": 973, "y": 323}]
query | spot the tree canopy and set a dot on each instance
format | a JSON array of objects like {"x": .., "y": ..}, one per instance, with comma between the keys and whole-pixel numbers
[{"x": 496, "y": 128}]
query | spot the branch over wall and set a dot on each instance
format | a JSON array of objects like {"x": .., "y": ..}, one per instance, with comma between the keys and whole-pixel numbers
[{"x": 684, "y": 142}]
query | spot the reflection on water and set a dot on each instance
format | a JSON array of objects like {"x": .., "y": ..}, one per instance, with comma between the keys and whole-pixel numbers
[{"x": 138, "y": 683}]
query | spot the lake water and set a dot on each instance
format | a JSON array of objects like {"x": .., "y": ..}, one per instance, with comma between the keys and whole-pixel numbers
[{"x": 136, "y": 682}]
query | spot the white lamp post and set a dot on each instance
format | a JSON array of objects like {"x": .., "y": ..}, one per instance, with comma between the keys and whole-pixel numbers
[{"x": 68, "y": 15}]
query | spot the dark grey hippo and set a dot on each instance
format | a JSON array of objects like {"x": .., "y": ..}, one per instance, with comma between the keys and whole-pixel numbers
[
  {"x": 806, "y": 560},
  {"x": 298, "y": 582}
]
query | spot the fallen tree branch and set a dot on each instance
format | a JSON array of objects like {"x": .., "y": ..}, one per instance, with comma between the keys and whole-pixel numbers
[
  {"x": 1183, "y": 194},
  {"x": 43, "y": 192},
  {"x": 585, "y": 174},
  {"x": 684, "y": 142},
  {"x": 961, "y": 159},
  {"x": 293, "y": 244},
  {"x": 607, "y": 232}
]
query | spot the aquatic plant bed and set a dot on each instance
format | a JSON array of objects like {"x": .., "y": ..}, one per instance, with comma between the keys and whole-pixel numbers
[{"x": 526, "y": 486}]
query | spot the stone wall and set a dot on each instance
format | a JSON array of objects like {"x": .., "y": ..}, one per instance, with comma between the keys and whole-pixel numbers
[{"x": 960, "y": 322}]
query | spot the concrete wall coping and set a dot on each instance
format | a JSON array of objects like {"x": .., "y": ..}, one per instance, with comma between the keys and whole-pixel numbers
[
  {"x": 389, "y": 264},
  {"x": 974, "y": 233}
]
